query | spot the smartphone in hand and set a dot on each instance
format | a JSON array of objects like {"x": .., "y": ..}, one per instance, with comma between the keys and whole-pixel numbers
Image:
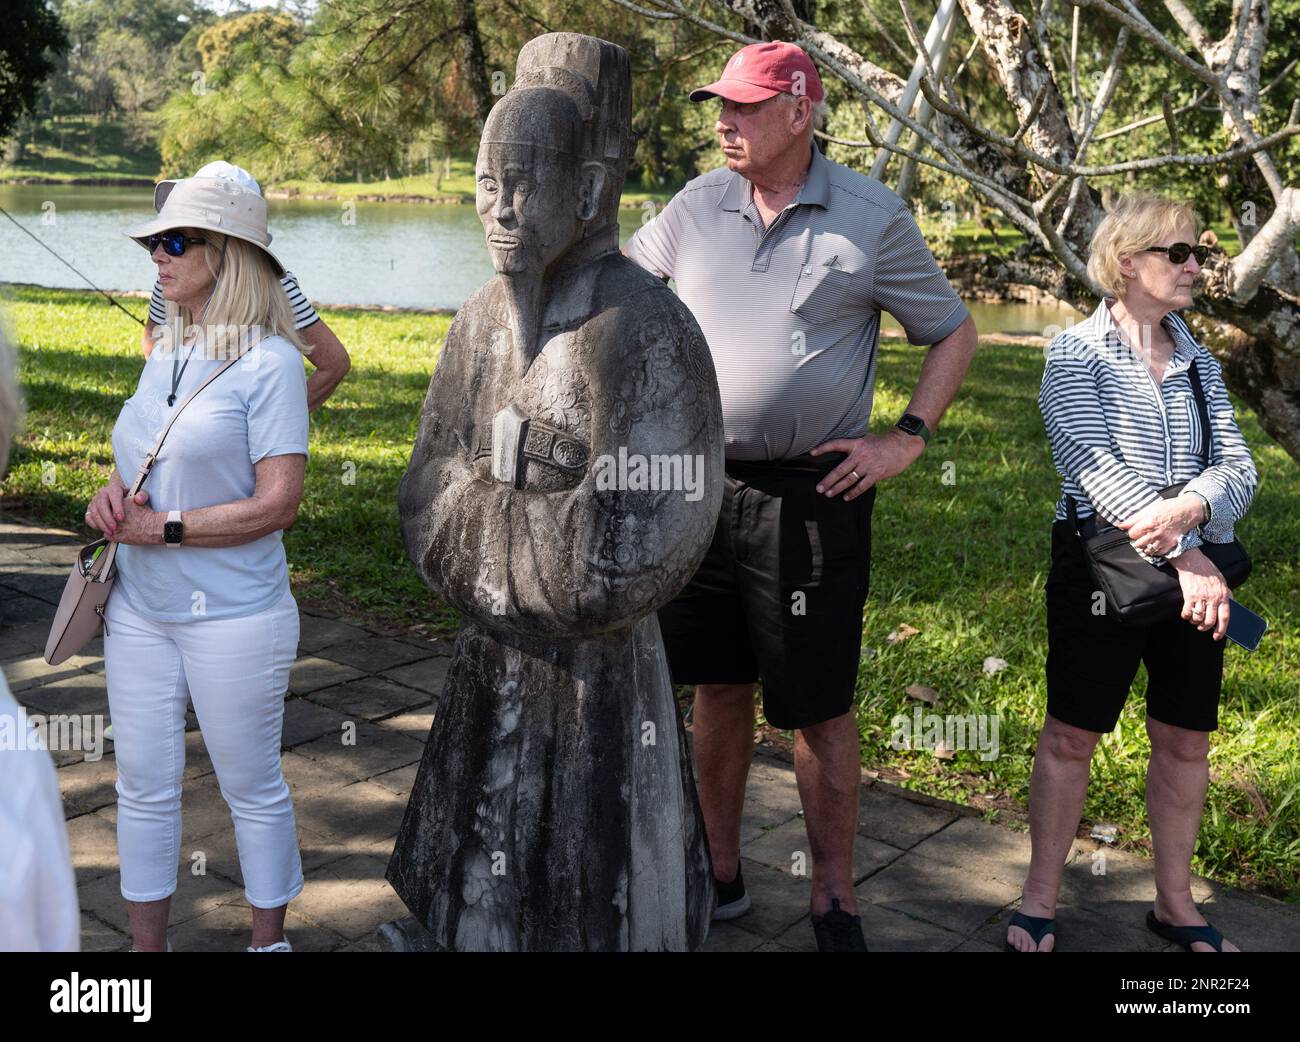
[{"x": 1244, "y": 626}]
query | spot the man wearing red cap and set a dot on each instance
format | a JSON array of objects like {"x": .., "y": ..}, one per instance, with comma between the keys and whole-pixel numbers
[{"x": 787, "y": 259}]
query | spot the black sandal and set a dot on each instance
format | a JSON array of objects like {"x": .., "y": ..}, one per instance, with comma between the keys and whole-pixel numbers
[
  {"x": 1185, "y": 935},
  {"x": 1036, "y": 926}
]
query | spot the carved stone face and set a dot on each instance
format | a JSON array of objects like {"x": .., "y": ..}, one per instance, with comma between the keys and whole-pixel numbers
[{"x": 528, "y": 199}]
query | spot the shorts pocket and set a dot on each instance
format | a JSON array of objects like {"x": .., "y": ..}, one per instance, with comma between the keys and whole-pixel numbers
[{"x": 825, "y": 545}]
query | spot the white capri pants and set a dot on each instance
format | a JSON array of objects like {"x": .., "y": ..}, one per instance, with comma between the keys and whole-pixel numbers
[{"x": 236, "y": 672}]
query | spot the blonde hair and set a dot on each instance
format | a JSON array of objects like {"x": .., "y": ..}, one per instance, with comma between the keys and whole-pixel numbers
[
  {"x": 1137, "y": 220},
  {"x": 11, "y": 402},
  {"x": 247, "y": 293}
]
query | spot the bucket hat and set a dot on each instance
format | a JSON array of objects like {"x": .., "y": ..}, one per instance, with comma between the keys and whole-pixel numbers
[
  {"x": 216, "y": 204},
  {"x": 217, "y": 168}
]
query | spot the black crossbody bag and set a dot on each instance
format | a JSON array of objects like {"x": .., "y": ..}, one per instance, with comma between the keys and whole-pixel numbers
[{"x": 1137, "y": 592}]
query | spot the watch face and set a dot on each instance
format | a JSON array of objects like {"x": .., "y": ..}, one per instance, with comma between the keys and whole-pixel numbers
[
  {"x": 172, "y": 531},
  {"x": 911, "y": 424}
]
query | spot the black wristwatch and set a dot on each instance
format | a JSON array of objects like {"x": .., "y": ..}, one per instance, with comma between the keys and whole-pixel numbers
[
  {"x": 173, "y": 528},
  {"x": 913, "y": 424}
]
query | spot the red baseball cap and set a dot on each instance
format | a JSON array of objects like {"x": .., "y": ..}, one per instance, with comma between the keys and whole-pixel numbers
[{"x": 763, "y": 70}]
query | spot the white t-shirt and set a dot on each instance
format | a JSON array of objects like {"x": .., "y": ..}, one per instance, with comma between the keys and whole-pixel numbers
[
  {"x": 39, "y": 911},
  {"x": 256, "y": 409},
  {"x": 303, "y": 313}
]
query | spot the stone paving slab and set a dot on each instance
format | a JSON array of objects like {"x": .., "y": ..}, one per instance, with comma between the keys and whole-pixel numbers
[
  {"x": 930, "y": 875},
  {"x": 377, "y": 749},
  {"x": 312, "y": 673},
  {"x": 305, "y": 721},
  {"x": 21, "y": 640},
  {"x": 315, "y": 633},
  {"x": 400, "y": 781},
  {"x": 33, "y": 671},
  {"x": 81, "y": 695},
  {"x": 953, "y": 897},
  {"x": 428, "y": 675},
  {"x": 900, "y": 823},
  {"x": 373, "y": 654},
  {"x": 414, "y": 724},
  {"x": 370, "y": 698}
]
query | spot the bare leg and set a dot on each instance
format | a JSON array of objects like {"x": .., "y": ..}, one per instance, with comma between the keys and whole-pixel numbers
[
  {"x": 1177, "y": 778},
  {"x": 1057, "y": 789},
  {"x": 268, "y": 925},
  {"x": 828, "y": 768},
  {"x": 148, "y": 921},
  {"x": 723, "y": 730}
]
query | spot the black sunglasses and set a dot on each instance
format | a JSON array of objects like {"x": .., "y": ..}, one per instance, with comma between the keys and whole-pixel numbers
[
  {"x": 173, "y": 243},
  {"x": 1179, "y": 252}
]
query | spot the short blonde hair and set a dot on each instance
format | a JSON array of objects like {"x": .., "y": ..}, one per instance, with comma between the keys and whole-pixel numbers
[
  {"x": 1137, "y": 220},
  {"x": 248, "y": 292}
]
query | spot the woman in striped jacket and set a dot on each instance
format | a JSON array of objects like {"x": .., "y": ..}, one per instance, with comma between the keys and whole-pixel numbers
[{"x": 1119, "y": 405}]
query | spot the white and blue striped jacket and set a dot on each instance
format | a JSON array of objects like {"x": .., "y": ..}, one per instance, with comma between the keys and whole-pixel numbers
[{"x": 1117, "y": 438}]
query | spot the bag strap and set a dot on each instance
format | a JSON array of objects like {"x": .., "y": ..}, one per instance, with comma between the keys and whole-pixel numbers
[
  {"x": 152, "y": 457},
  {"x": 102, "y": 569},
  {"x": 1198, "y": 391},
  {"x": 1207, "y": 435}
]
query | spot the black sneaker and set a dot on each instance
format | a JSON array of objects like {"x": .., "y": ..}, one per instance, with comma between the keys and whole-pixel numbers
[
  {"x": 732, "y": 898},
  {"x": 837, "y": 931}
]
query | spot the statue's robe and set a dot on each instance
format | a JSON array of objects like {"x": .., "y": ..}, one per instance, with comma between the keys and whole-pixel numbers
[{"x": 555, "y": 807}]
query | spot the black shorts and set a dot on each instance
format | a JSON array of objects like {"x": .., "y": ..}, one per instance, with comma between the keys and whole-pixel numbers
[
  {"x": 779, "y": 596},
  {"x": 1092, "y": 659}
]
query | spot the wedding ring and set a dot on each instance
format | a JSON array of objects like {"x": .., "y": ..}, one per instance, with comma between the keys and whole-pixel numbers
[{"x": 855, "y": 475}]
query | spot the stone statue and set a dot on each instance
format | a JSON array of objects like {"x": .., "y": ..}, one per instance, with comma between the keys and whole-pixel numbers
[{"x": 564, "y": 484}]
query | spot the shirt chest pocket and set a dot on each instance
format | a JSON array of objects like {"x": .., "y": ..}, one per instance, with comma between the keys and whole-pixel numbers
[
  {"x": 819, "y": 292},
  {"x": 1196, "y": 436}
]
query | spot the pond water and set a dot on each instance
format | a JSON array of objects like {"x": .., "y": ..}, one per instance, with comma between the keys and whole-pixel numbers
[{"x": 400, "y": 254}]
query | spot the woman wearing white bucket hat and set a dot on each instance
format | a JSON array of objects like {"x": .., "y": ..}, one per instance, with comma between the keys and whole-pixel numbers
[
  {"x": 201, "y": 610},
  {"x": 324, "y": 349}
]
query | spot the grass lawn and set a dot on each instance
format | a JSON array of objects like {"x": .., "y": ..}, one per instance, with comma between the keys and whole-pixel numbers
[{"x": 960, "y": 553}]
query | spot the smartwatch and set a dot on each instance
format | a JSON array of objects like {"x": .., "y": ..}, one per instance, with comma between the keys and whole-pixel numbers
[
  {"x": 173, "y": 528},
  {"x": 913, "y": 424}
]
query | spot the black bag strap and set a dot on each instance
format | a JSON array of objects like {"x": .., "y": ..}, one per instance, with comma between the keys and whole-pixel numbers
[
  {"x": 1207, "y": 437},
  {"x": 1072, "y": 512},
  {"x": 1203, "y": 411}
]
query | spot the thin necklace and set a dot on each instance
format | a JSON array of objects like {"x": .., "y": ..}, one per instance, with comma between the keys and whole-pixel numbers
[{"x": 176, "y": 377}]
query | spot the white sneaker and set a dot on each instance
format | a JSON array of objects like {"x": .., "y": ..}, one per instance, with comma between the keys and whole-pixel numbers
[{"x": 278, "y": 946}]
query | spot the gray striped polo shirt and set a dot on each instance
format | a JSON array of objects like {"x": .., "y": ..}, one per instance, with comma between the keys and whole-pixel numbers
[
  {"x": 791, "y": 312},
  {"x": 1118, "y": 438}
]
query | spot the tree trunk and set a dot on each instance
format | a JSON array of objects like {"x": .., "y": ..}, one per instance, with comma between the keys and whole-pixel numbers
[{"x": 470, "y": 47}]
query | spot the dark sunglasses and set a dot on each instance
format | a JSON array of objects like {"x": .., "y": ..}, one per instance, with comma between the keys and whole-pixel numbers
[
  {"x": 173, "y": 243},
  {"x": 1179, "y": 252}
]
